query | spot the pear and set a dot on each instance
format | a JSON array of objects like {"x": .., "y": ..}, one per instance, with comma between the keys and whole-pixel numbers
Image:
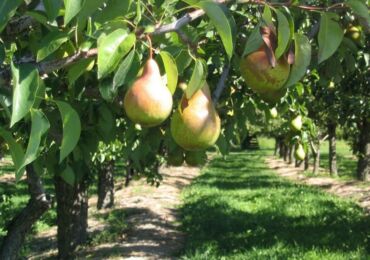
[
  {"x": 148, "y": 102},
  {"x": 300, "y": 154},
  {"x": 262, "y": 78},
  {"x": 296, "y": 123},
  {"x": 273, "y": 112},
  {"x": 196, "y": 125}
]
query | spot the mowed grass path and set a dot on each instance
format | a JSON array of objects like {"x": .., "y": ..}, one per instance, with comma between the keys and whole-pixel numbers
[{"x": 239, "y": 209}]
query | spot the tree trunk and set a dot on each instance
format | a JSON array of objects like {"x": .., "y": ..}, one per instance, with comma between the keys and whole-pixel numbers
[
  {"x": 316, "y": 159},
  {"x": 363, "y": 165},
  {"x": 332, "y": 150},
  {"x": 281, "y": 149},
  {"x": 307, "y": 161},
  {"x": 286, "y": 152},
  {"x": 291, "y": 154},
  {"x": 21, "y": 224},
  {"x": 72, "y": 206},
  {"x": 106, "y": 185},
  {"x": 276, "y": 150}
]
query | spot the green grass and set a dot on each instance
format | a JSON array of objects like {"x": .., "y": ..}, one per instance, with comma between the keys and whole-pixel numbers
[{"x": 239, "y": 209}]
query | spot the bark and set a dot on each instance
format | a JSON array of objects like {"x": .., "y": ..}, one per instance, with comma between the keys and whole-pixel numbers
[
  {"x": 332, "y": 150},
  {"x": 72, "y": 206},
  {"x": 281, "y": 149},
  {"x": 316, "y": 159},
  {"x": 291, "y": 154},
  {"x": 129, "y": 173},
  {"x": 286, "y": 152},
  {"x": 307, "y": 162},
  {"x": 276, "y": 149},
  {"x": 21, "y": 224},
  {"x": 363, "y": 165},
  {"x": 106, "y": 185}
]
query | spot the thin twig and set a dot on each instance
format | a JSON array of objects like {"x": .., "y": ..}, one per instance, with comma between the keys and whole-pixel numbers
[{"x": 221, "y": 83}]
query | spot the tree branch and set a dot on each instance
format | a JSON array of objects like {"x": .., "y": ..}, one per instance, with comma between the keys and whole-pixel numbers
[{"x": 221, "y": 83}]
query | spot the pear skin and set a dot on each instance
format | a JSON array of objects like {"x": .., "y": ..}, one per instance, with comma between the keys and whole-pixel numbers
[
  {"x": 148, "y": 102},
  {"x": 261, "y": 77},
  {"x": 196, "y": 125}
]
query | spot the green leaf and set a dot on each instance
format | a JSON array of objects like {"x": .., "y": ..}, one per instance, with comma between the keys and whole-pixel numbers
[
  {"x": 89, "y": 7},
  {"x": 113, "y": 9},
  {"x": 197, "y": 79},
  {"x": 16, "y": 150},
  {"x": 71, "y": 129},
  {"x": 40, "y": 125},
  {"x": 111, "y": 49},
  {"x": 221, "y": 22},
  {"x": 171, "y": 70},
  {"x": 254, "y": 41},
  {"x": 7, "y": 10},
  {"x": 68, "y": 175},
  {"x": 52, "y": 8},
  {"x": 25, "y": 82},
  {"x": 106, "y": 124},
  {"x": 302, "y": 59},
  {"x": 2, "y": 53},
  {"x": 267, "y": 16},
  {"x": 330, "y": 36},
  {"x": 121, "y": 73},
  {"x": 107, "y": 90},
  {"x": 72, "y": 7},
  {"x": 283, "y": 34},
  {"x": 361, "y": 10},
  {"x": 50, "y": 43},
  {"x": 79, "y": 68}
]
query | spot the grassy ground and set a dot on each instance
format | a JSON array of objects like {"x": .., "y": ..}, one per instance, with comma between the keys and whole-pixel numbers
[
  {"x": 346, "y": 161},
  {"x": 239, "y": 209}
]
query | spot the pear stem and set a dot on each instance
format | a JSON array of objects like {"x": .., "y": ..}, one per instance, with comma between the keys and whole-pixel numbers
[{"x": 150, "y": 46}]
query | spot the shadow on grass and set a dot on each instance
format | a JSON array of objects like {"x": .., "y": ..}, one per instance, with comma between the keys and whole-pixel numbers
[{"x": 242, "y": 210}]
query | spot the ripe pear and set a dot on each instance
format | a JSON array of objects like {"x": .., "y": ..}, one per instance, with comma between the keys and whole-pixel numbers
[
  {"x": 148, "y": 102},
  {"x": 296, "y": 123},
  {"x": 300, "y": 154},
  {"x": 273, "y": 112},
  {"x": 262, "y": 78},
  {"x": 196, "y": 125},
  {"x": 195, "y": 158}
]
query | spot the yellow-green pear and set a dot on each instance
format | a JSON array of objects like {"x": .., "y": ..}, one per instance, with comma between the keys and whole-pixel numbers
[
  {"x": 300, "y": 154},
  {"x": 148, "y": 101},
  {"x": 273, "y": 112},
  {"x": 196, "y": 125},
  {"x": 296, "y": 123}
]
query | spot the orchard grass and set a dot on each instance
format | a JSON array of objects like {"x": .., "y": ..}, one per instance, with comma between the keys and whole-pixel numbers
[{"x": 239, "y": 209}]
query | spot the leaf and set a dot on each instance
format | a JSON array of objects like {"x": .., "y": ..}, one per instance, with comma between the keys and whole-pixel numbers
[
  {"x": 330, "y": 36},
  {"x": 106, "y": 124},
  {"x": 89, "y": 7},
  {"x": 111, "y": 49},
  {"x": 2, "y": 53},
  {"x": 254, "y": 41},
  {"x": 25, "y": 82},
  {"x": 50, "y": 43},
  {"x": 283, "y": 34},
  {"x": 16, "y": 150},
  {"x": 302, "y": 59},
  {"x": 68, "y": 175},
  {"x": 71, "y": 129},
  {"x": 121, "y": 73},
  {"x": 171, "y": 70},
  {"x": 221, "y": 22},
  {"x": 7, "y": 10},
  {"x": 113, "y": 9},
  {"x": 361, "y": 10},
  {"x": 40, "y": 125},
  {"x": 52, "y": 8},
  {"x": 107, "y": 91},
  {"x": 197, "y": 79},
  {"x": 79, "y": 68},
  {"x": 72, "y": 7},
  {"x": 267, "y": 16}
]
